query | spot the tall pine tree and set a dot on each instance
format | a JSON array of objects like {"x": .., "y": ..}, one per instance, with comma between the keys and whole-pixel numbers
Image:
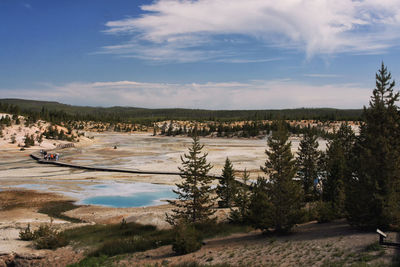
[
  {"x": 242, "y": 201},
  {"x": 337, "y": 169},
  {"x": 307, "y": 162},
  {"x": 373, "y": 199},
  {"x": 195, "y": 203},
  {"x": 226, "y": 189},
  {"x": 260, "y": 208},
  {"x": 281, "y": 196}
]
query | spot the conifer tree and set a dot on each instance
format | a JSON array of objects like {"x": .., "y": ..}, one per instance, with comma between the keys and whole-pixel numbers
[
  {"x": 155, "y": 129},
  {"x": 242, "y": 201},
  {"x": 337, "y": 169},
  {"x": 281, "y": 196},
  {"x": 226, "y": 188},
  {"x": 260, "y": 208},
  {"x": 373, "y": 199},
  {"x": 195, "y": 203},
  {"x": 307, "y": 162}
]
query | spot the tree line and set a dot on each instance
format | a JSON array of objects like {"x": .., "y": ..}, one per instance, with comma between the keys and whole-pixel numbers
[
  {"x": 56, "y": 113},
  {"x": 245, "y": 130},
  {"x": 357, "y": 178}
]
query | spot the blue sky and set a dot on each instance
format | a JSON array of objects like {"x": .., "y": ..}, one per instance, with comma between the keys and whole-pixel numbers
[{"x": 216, "y": 54}]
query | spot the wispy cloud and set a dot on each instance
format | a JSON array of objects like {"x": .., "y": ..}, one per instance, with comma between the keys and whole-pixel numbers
[
  {"x": 228, "y": 95},
  {"x": 322, "y": 75},
  {"x": 249, "y": 60},
  {"x": 26, "y": 5},
  {"x": 180, "y": 30}
]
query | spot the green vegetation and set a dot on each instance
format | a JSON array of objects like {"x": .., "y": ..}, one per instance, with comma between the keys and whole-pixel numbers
[
  {"x": 226, "y": 188},
  {"x": 240, "y": 215},
  {"x": 373, "y": 197},
  {"x": 27, "y": 234},
  {"x": 281, "y": 198},
  {"x": 325, "y": 212},
  {"x": 194, "y": 193},
  {"x": 234, "y": 129},
  {"x": 5, "y": 120},
  {"x": 308, "y": 163},
  {"x": 55, "y": 209},
  {"x": 368, "y": 257},
  {"x": 360, "y": 175},
  {"x": 337, "y": 171},
  {"x": 117, "y": 239},
  {"x": 114, "y": 239},
  {"x": 45, "y": 237},
  {"x": 56, "y": 112},
  {"x": 187, "y": 239},
  {"x": 29, "y": 140},
  {"x": 52, "y": 133}
]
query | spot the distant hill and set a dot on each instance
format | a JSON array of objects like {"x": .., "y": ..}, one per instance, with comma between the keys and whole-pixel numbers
[{"x": 145, "y": 115}]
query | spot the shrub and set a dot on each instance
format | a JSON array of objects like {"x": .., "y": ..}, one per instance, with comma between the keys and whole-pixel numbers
[
  {"x": 310, "y": 212},
  {"x": 27, "y": 234},
  {"x": 123, "y": 224},
  {"x": 211, "y": 228},
  {"x": 45, "y": 237},
  {"x": 131, "y": 239},
  {"x": 187, "y": 239},
  {"x": 325, "y": 212}
]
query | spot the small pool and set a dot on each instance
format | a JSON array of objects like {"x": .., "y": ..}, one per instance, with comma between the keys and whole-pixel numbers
[
  {"x": 136, "y": 200},
  {"x": 118, "y": 194}
]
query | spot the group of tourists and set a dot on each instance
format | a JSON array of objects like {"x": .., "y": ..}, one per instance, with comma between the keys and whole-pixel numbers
[{"x": 49, "y": 156}]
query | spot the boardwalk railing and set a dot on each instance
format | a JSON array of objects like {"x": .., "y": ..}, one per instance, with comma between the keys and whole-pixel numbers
[
  {"x": 65, "y": 145},
  {"x": 62, "y": 164}
]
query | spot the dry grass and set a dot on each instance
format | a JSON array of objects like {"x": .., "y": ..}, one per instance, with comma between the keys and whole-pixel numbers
[
  {"x": 11, "y": 199},
  {"x": 332, "y": 244},
  {"x": 46, "y": 203}
]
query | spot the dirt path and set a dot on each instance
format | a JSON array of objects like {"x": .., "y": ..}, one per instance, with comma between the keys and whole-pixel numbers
[{"x": 312, "y": 244}]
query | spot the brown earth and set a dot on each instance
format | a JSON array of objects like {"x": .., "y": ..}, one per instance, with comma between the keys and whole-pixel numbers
[
  {"x": 18, "y": 208},
  {"x": 311, "y": 244}
]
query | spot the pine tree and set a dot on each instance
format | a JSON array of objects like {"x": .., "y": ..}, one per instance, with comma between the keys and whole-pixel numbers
[
  {"x": 170, "y": 129},
  {"x": 307, "y": 162},
  {"x": 337, "y": 169},
  {"x": 155, "y": 129},
  {"x": 373, "y": 199},
  {"x": 260, "y": 208},
  {"x": 242, "y": 201},
  {"x": 227, "y": 186},
  {"x": 195, "y": 203},
  {"x": 282, "y": 196}
]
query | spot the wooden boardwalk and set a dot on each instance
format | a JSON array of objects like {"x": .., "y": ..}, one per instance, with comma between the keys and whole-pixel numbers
[
  {"x": 63, "y": 164},
  {"x": 101, "y": 169}
]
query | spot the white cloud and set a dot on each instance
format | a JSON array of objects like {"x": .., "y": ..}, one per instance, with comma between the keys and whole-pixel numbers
[
  {"x": 185, "y": 30},
  {"x": 322, "y": 75},
  {"x": 261, "y": 94}
]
